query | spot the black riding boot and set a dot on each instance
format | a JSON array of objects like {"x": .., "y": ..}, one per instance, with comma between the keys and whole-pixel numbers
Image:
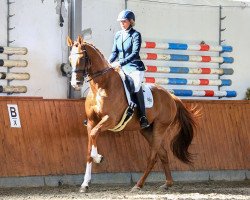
[{"x": 141, "y": 109}]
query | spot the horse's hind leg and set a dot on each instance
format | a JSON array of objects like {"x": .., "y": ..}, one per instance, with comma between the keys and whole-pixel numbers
[
  {"x": 155, "y": 143},
  {"x": 162, "y": 153}
]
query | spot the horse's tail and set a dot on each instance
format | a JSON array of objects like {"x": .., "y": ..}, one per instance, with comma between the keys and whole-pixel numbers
[{"x": 186, "y": 120}]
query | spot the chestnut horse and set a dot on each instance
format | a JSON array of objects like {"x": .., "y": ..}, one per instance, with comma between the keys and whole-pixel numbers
[{"x": 106, "y": 103}]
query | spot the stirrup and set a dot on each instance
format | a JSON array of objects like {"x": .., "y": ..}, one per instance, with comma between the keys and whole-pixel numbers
[{"x": 144, "y": 122}]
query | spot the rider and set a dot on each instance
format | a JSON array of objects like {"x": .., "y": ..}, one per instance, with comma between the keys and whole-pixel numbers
[{"x": 126, "y": 48}]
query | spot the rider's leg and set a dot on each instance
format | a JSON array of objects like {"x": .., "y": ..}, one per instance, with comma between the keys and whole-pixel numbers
[
  {"x": 138, "y": 76},
  {"x": 141, "y": 108}
]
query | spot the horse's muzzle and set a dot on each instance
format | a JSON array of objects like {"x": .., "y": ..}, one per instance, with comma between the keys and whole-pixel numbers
[{"x": 77, "y": 85}]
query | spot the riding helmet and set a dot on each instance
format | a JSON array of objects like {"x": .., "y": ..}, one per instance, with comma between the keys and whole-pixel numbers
[{"x": 126, "y": 14}]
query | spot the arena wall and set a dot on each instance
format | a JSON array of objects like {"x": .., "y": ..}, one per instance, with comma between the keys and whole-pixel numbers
[{"x": 53, "y": 141}]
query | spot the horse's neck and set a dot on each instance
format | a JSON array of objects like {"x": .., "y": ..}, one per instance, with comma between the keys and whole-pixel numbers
[
  {"x": 107, "y": 82},
  {"x": 99, "y": 64},
  {"x": 102, "y": 80}
]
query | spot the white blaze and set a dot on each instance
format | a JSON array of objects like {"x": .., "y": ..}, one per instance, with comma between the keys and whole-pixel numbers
[{"x": 73, "y": 60}]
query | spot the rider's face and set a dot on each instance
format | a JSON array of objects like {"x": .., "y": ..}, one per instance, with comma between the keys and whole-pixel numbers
[{"x": 125, "y": 24}]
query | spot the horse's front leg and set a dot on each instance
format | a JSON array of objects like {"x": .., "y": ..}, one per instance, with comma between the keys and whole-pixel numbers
[
  {"x": 93, "y": 155},
  {"x": 87, "y": 176},
  {"x": 103, "y": 125}
]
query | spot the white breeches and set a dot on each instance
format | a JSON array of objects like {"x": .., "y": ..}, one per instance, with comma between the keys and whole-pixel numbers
[{"x": 137, "y": 77}]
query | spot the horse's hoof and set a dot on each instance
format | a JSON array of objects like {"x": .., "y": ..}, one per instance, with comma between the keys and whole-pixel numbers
[
  {"x": 135, "y": 189},
  {"x": 98, "y": 158},
  {"x": 102, "y": 159},
  {"x": 164, "y": 187},
  {"x": 83, "y": 189}
]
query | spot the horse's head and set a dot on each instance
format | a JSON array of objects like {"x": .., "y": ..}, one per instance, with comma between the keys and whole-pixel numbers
[
  {"x": 86, "y": 60},
  {"x": 79, "y": 60}
]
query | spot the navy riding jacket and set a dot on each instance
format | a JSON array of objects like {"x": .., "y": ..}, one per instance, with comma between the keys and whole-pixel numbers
[{"x": 127, "y": 50}]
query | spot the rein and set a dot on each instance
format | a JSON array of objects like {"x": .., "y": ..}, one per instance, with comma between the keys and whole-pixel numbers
[{"x": 99, "y": 73}]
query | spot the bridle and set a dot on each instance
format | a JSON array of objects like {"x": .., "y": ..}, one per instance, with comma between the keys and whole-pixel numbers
[
  {"x": 87, "y": 66},
  {"x": 87, "y": 62}
]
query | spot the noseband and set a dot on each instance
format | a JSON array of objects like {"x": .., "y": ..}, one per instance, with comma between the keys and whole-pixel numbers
[
  {"x": 87, "y": 66},
  {"x": 87, "y": 63}
]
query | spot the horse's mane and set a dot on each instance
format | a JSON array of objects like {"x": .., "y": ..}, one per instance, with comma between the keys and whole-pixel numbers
[{"x": 102, "y": 56}]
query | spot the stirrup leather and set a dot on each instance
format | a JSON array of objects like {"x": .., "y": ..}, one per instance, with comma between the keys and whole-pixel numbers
[{"x": 127, "y": 116}]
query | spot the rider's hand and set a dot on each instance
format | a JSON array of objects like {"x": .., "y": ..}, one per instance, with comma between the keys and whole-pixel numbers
[{"x": 116, "y": 65}]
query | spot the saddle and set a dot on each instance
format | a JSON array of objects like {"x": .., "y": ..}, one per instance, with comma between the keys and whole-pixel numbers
[{"x": 129, "y": 88}]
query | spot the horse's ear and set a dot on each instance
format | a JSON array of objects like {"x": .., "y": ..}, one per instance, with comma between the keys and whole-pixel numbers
[
  {"x": 69, "y": 41},
  {"x": 80, "y": 39}
]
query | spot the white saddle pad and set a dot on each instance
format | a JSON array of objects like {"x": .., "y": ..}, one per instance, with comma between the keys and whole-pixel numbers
[{"x": 148, "y": 97}]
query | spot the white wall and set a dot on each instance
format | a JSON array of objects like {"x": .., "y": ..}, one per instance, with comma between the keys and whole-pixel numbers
[
  {"x": 238, "y": 35},
  {"x": 178, "y": 23},
  {"x": 101, "y": 16},
  {"x": 37, "y": 28}
]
